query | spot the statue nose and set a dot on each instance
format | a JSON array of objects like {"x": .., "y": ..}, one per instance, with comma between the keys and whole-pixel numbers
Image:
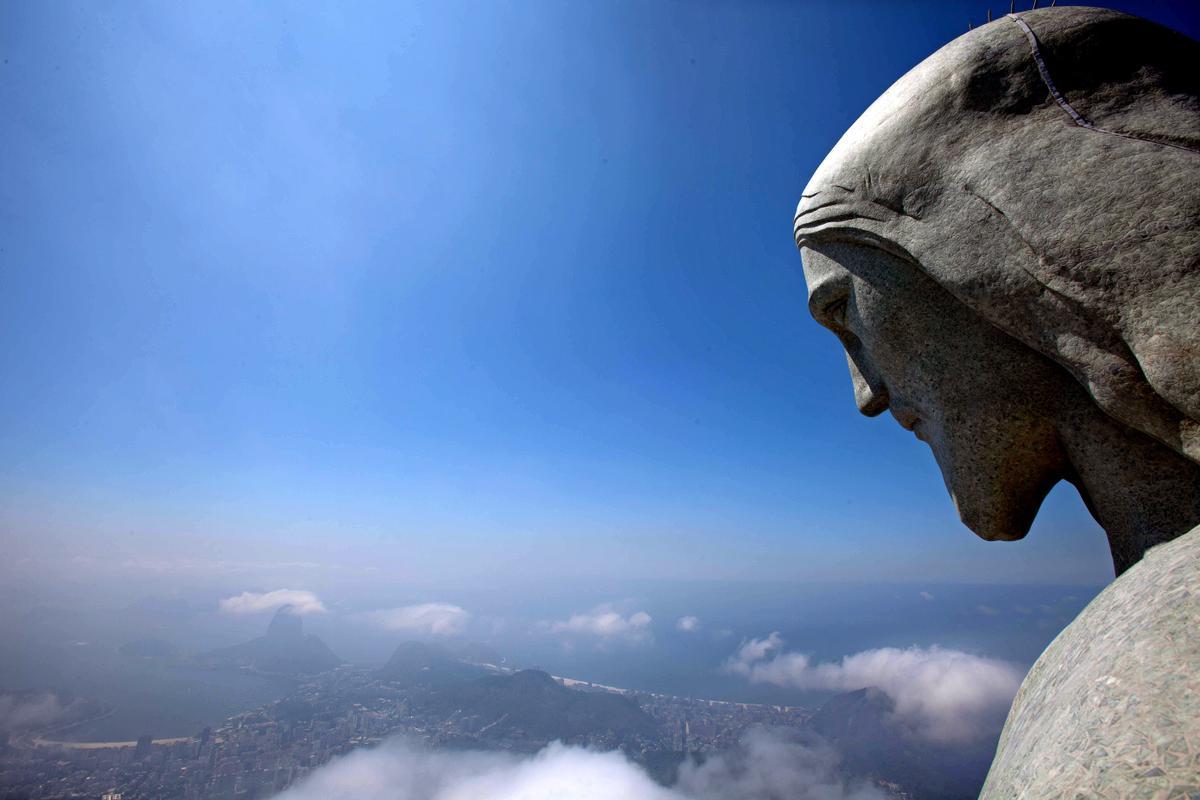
[{"x": 870, "y": 394}]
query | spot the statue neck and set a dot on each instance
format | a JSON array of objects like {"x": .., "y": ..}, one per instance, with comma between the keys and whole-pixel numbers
[{"x": 1141, "y": 492}]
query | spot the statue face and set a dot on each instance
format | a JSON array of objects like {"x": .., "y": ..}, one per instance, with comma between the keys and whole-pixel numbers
[{"x": 980, "y": 399}]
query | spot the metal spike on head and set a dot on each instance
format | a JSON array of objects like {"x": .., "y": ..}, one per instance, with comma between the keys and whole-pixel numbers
[{"x": 989, "y": 15}]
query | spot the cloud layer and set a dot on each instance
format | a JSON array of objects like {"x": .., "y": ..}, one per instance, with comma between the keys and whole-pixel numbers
[
  {"x": 605, "y": 623},
  {"x": 302, "y": 601},
  {"x": 769, "y": 767},
  {"x": 765, "y": 769},
  {"x": 436, "y": 619},
  {"x": 27, "y": 711},
  {"x": 942, "y": 695}
]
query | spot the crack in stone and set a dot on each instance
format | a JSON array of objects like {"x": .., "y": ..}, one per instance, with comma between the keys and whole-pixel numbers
[{"x": 1075, "y": 116}]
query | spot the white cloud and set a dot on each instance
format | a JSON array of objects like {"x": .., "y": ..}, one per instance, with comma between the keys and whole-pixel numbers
[
  {"x": 765, "y": 769},
  {"x": 398, "y": 771},
  {"x": 942, "y": 695},
  {"x": 437, "y": 619},
  {"x": 751, "y": 652},
  {"x": 28, "y": 711},
  {"x": 302, "y": 601},
  {"x": 688, "y": 624},
  {"x": 605, "y": 623},
  {"x": 926, "y": 596}
]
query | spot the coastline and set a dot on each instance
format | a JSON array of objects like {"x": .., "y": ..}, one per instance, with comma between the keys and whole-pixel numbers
[{"x": 40, "y": 742}]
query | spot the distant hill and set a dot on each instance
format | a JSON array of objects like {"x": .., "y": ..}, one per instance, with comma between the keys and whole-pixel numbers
[
  {"x": 285, "y": 649},
  {"x": 860, "y": 726},
  {"x": 529, "y": 708},
  {"x": 421, "y": 664}
]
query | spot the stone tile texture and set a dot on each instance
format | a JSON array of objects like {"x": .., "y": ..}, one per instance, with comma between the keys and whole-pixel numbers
[{"x": 1112, "y": 708}]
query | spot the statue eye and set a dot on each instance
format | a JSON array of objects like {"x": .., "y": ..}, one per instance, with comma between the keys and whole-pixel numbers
[
  {"x": 835, "y": 312},
  {"x": 829, "y": 299}
]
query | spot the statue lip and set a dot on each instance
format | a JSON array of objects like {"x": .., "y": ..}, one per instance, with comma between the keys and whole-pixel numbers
[{"x": 909, "y": 421}]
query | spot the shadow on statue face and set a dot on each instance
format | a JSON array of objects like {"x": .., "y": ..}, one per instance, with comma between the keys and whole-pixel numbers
[{"x": 983, "y": 402}]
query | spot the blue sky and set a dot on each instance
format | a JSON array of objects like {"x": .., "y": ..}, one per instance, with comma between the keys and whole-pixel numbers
[{"x": 459, "y": 289}]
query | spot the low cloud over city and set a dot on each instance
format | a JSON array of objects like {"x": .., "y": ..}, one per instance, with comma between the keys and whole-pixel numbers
[
  {"x": 943, "y": 695},
  {"x": 765, "y": 767},
  {"x": 29, "y": 710},
  {"x": 604, "y": 622}
]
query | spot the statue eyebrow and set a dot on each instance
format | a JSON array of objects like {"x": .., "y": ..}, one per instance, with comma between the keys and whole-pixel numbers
[{"x": 817, "y": 207}]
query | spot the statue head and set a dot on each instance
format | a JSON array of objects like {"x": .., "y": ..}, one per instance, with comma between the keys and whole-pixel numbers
[{"x": 1007, "y": 244}]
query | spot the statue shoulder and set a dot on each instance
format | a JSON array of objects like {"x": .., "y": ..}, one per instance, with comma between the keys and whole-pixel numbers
[{"x": 1112, "y": 707}]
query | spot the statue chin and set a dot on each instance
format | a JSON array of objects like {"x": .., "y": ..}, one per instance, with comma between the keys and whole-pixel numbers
[
  {"x": 993, "y": 527},
  {"x": 996, "y": 489}
]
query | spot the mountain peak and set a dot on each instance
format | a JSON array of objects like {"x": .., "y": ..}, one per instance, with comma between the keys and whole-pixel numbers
[
  {"x": 286, "y": 624},
  {"x": 286, "y": 648}
]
